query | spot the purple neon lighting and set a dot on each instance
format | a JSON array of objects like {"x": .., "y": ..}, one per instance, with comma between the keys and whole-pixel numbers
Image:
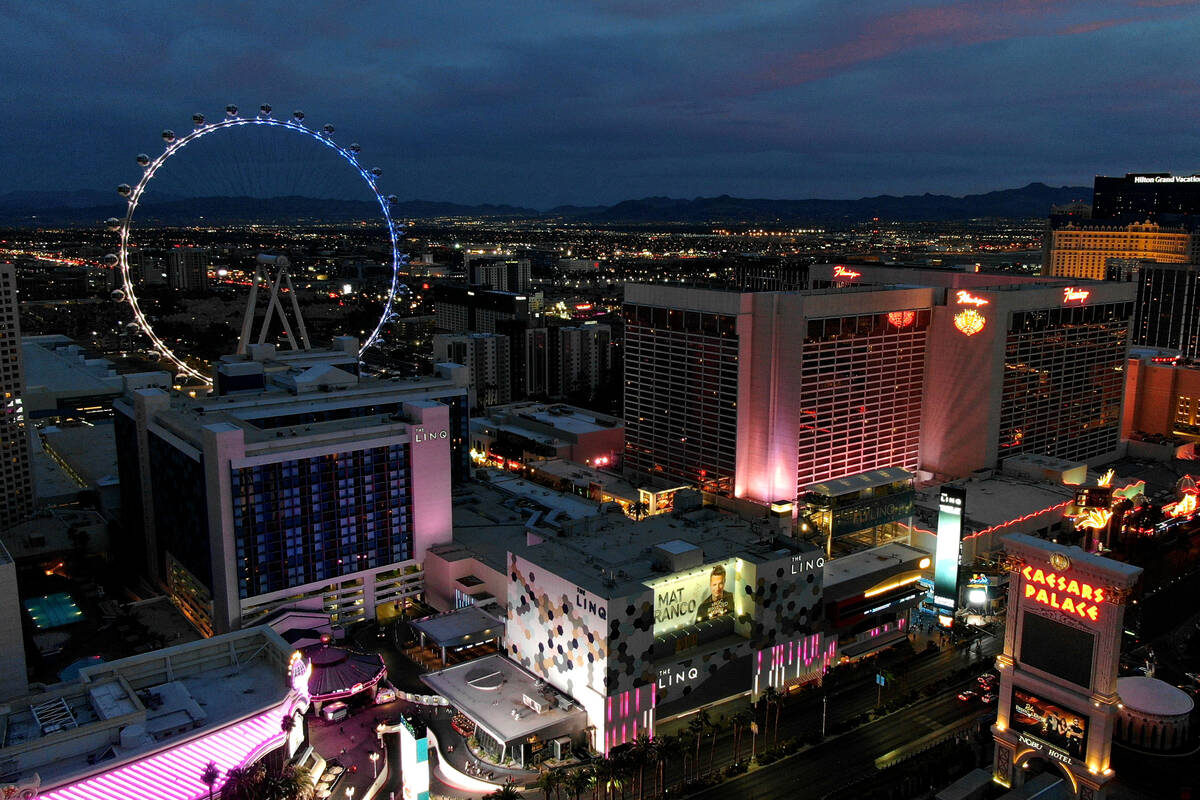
[{"x": 174, "y": 774}]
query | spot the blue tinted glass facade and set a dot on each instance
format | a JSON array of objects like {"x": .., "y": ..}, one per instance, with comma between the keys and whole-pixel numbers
[{"x": 319, "y": 518}]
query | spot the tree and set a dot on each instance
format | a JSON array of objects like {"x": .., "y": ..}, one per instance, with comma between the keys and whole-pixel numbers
[
  {"x": 577, "y": 782},
  {"x": 548, "y": 781},
  {"x": 714, "y": 728},
  {"x": 505, "y": 792},
  {"x": 670, "y": 748},
  {"x": 641, "y": 753},
  {"x": 209, "y": 776},
  {"x": 639, "y": 509},
  {"x": 257, "y": 782},
  {"x": 769, "y": 698},
  {"x": 699, "y": 724},
  {"x": 741, "y": 720}
]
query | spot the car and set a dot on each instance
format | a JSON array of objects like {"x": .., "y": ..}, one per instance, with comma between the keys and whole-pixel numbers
[
  {"x": 968, "y": 695},
  {"x": 987, "y": 699}
]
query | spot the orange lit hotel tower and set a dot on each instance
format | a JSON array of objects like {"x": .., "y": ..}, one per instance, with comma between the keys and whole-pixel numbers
[{"x": 762, "y": 394}]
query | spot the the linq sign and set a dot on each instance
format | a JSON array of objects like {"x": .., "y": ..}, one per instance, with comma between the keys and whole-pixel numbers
[{"x": 871, "y": 513}]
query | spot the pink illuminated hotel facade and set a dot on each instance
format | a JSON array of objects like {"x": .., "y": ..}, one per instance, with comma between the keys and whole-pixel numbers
[
  {"x": 147, "y": 726},
  {"x": 762, "y": 395}
]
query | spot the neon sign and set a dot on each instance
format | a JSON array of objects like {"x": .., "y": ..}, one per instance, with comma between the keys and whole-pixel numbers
[
  {"x": 1063, "y": 594},
  {"x": 965, "y": 298},
  {"x": 299, "y": 671},
  {"x": 901, "y": 319},
  {"x": 969, "y": 322},
  {"x": 845, "y": 272},
  {"x": 1071, "y": 293}
]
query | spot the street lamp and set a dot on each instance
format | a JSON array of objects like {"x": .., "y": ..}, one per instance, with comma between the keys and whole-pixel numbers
[
  {"x": 349, "y": 793},
  {"x": 374, "y": 770}
]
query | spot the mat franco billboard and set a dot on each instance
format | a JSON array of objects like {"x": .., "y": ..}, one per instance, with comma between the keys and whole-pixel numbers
[
  {"x": 714, "y": 591},
  {"x": 1038, "y": 722}
]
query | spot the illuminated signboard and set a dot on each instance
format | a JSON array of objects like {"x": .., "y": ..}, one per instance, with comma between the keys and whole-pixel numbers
[
  {"x": 951, "y": 504},
  {"x": 901, "y": 319},
  {"x": 1042, "y": 724},
  {"x": 965, "y": 298},
  {"x": 969, "y": 322},
  {"x": 1075, "y": 598},
  {"x": 1094, "y": 496},
  {"x": 299, "y": 671},
  {"x": 414, "y": 760},
  {"x": 840, "y": 271},
  {"x": 714, "y": 591},
  {"x": 1071, "y": 294}
]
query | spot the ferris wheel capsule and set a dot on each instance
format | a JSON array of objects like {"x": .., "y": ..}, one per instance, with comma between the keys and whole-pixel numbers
[
  {"x": 118, "y": 296},
  {"x": 231, "y": 110},
  {"x": 124, "y": 190},
  {"x": 298, "y": 115},
  {"x": 376, "y": 171},
  {"x": 355, "y": 148},
  {"x": 112, "y": 223},
  {"x": 265, "y": 109},
  {"x": 168, "y": 135},
  {"x": 110, "y": 260},
  {"x": 132, "y": 326},
  {"x": 198, "y": 119},
  {"x": 392, "y": 199},
  {"x": 142, "y": 159},
  {"x": 328, "y": 129}
]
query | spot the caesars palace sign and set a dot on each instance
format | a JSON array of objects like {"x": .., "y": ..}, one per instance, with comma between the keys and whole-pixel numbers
[{"x": 1063, "y": 593}]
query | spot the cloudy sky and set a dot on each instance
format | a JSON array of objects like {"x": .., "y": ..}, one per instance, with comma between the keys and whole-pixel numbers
[{"x": 583, "y": 101}]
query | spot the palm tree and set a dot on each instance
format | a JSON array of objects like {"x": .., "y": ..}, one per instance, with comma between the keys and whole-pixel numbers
[
  {"x": 577, "y": 781},
  {"x": 639, "y": 509},
  {"x": 209, "y": 776},
  {"x": 740, "y": 721},
  {"x": 714, "y": 728},
  {"x": 548, "y": 781},
  {"x": 241, "y": 783},
  {"x": 669, "y": 749},
  {"x": 505, "y": 792},
  {"x": 769, "y": 698},
  {"x": 699, "y": 724},
  {"x": 641, "y": 753}
]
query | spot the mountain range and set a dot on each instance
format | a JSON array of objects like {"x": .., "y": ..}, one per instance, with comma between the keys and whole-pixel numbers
[{"x": 84, "y": 207}]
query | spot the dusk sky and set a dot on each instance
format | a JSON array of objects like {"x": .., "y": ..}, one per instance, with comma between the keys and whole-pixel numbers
[{"x": 542, "y": 103}]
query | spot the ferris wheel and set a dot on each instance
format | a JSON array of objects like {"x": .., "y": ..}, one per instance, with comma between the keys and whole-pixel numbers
[{"x": 293, "y": 126}]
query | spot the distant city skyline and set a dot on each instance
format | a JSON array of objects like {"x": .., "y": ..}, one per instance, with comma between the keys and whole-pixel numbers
[{"x": 542, "y": 105}]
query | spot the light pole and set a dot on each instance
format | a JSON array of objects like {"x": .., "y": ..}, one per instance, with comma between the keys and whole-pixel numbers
[
  {"x": 349, "y": 793},
  {"x": 374, "y": 770},
  {"x": 824, "y": 709}
]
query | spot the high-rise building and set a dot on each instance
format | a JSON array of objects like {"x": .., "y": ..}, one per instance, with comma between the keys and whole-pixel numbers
[
  {"x": 500, "y": 272},
  {"x": 762, "y": 394},
  {"x": 563, "y": 360},
  {"x": 13, "y": 677},
  {"x": 1167, "y": 313},
  {"x": 187, "y": 268},
  {"x": 16, "y": 476},
  {"x": 474, "y": 309},
  {"x": 1141, "y": 196},
  {"x": 487, "y": 359},
  {"x": 1080, "y": 248},
  {"x": 318, "y": 490}
]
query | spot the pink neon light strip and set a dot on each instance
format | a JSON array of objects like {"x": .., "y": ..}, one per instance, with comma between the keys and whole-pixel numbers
[{"x": 174, "y": 774}]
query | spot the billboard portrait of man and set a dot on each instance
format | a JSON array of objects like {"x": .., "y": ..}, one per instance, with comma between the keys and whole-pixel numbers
[{"x": 718, "y": 603}]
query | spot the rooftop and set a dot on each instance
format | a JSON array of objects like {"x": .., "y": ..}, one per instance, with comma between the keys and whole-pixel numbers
[
  {"x": 867, "y": 563},
  {"x": 90, "y": 451},
  {"x": 612, "y": 556},
  {"x": 460, "y": 627},
  {"x": 493, "y": 690},
  {"x": 123, "y": 709},
  {"x": 559, "y": 416},
  {"x": 1152, "y": 696}
]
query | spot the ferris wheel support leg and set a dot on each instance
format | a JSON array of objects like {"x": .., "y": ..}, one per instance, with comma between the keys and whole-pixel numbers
[
  {"x": 275, "y": 307},
  {"x": 248, "y": 320},
  {"x": 307, "y": 345}
]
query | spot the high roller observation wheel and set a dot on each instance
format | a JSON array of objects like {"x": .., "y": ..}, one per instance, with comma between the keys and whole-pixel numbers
[{"x": 202, "y": 128}]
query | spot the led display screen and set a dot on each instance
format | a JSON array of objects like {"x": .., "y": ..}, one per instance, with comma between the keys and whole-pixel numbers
[
  {"x": 1056, "y": 727},
  {"x": 713, "y": 591},
  {"x": 1061, "y": 650},
  {"x": 949, "y": 538}
]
